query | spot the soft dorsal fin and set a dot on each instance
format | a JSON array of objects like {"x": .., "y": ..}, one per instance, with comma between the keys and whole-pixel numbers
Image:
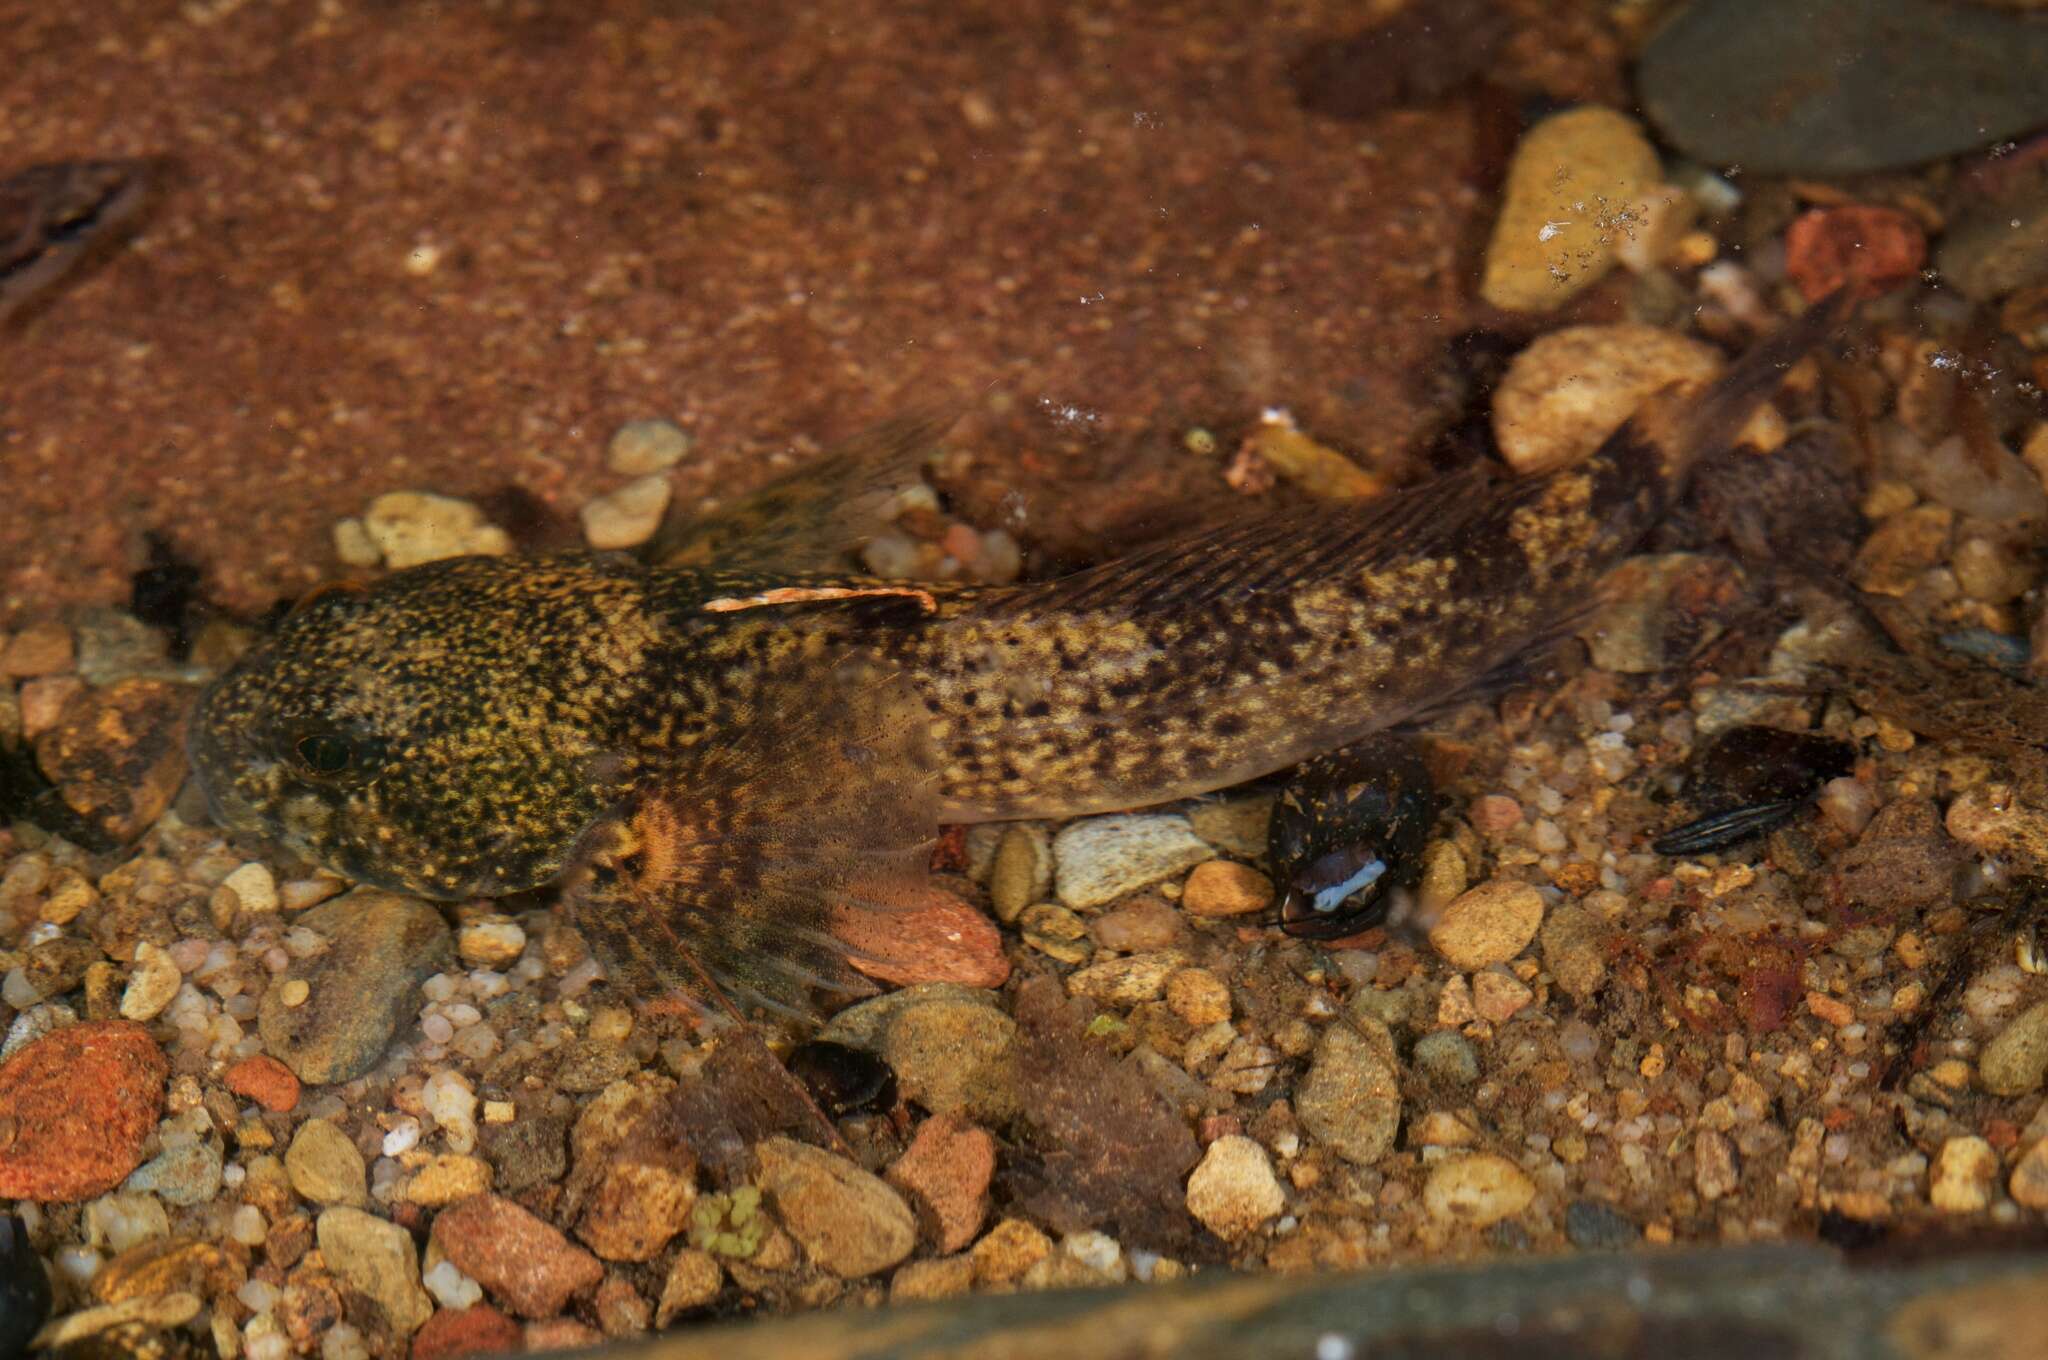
[{"x": 813, "y": 519}]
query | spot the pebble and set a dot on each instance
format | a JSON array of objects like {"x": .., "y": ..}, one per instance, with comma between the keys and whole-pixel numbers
[
  {"x": 449, "y": 1098},
  {"x": 495, "y": 942},
  {"x": 1564, "y": 394},
  {"x": 1447, "y": 1057},
  {"x": 1488, "y": 924},
  {"x": 411, "y": 527},
  {"x": 950, "y": 1047},
  {"x": 1575, "y": 950},
  {"x": 353, "y": 546},
  {"x": 636, "y": 1203},
  {"x": 1236, "y": 826},
  {"x": 1498, "y": 997},
  {"x": 1478, "y": 1188},
  {"x": 1875, "y": 248},
  {"x": 1198, "y": 996},
  {"x": 693, "y": 1282},
  {"x": 1022, "y": 871},
  {"x": 264, "y": 1080},
  {"x": 325, "y": 1167},
  {"x": 360, "y": 989},
  {"x": 1056, "y": 932},
  {"x": 1730, "y": 90},
  {"x": 1126, "y": 981},
  {"x": 1576, "y": 186},
  {"x": 946, "y": 1172},
  {"x": 849, "y": 1221},
  {"x": 476, "y": 1330},
  {"x": 934, "y": 937},
  {"x": 1965, "y": 1173},
  {"x": 1102, "y": 858},
  {"x": 1233, "y": 1191},
  {"x": 946, "y": 1277},
  {"x": 627, "y": 517},
  {"x": 44, "y": 648},
  {"x": 254, "y": 886},
  {"x": 158, "y": 1312},
  {"x": 522, "y": 1260},
  {"x": 77, "y": 1106},
  {"x": 1223, "y": 887},
  {"x": 450, "y": 1287},
  {"x": 2014, "y": 1062},
  {"x": 377, "y": 1259},
  {"x": 1008, "y": 1251},
  {"x": 2029, "y": 1183},
  {"x": 1591, "y": 1225},
  {"x": 448, "y": 1178},
  {"x": 161, "y": 1266},
  {"x": 184, "y": 1175},
  {"x": 117, "y": 754},
  {"x": 152, "y": 984},
  {"x": 1351, "y": 1098},
  {"x": 24, "y": 1288},
  {"x": 1140, "y": 924},
  {"x": 640, "y": 447},
  {"x": 1993, "y": 819}
]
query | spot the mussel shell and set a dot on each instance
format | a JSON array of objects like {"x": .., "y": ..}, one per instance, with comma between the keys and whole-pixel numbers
[
  {"x": 1750, "y": 780},
  {"x": 842, "y": 1080},
  {"x": 1360, "y": 814}
]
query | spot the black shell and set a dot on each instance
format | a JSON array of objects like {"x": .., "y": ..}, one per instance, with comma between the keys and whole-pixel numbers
[
  {"x": 1366, "y": 804},
  {"x": 842, "y": 1080},
  {"x": 1750, "y": 780},
  {"x": 24, "y": 1289}
]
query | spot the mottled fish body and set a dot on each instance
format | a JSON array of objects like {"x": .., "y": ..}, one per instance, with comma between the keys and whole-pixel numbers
[{"x": 727, "y": 756}]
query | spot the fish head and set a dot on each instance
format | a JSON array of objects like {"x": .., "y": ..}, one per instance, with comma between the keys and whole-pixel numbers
[{"x": 441, "y": 732}]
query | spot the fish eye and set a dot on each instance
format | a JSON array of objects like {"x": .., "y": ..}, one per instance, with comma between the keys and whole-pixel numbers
[{"x": 325, "y": 753}]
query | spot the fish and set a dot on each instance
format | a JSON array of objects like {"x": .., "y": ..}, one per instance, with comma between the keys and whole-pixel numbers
[{"x": 730, "y": 756}]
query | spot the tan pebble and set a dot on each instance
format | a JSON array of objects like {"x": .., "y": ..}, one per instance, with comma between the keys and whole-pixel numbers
[
  {"x": 627, "y": 517},
  {"x": 1715, "y": 1174},
  {"x": 70, "y": 893},
  {"x": 1488, "y": 924},
  {"x": 1498, "y": 996},
  {"x": 640, "y": 447},
  {"x": 1901, "y": 548},
  {"x": 1454, "y": 1004},
  {"x": 1567, "y": 392},
  {"x": 1885, "y": 499},
  {"x": 1233, "y": 1192},
  {"x": 1576, "y": 185},
  {"x": 1126, "y": 981},
  {"x": 1987, "y": 571},
  {"x": 694, "y": 1279},
  {"x": 1965, "y": 1170},
  {"x": 1833, "y": 1010},
  {"x": 500, "y": 1112},
  {"x": 411, "y": 527},
  {"x": 254, "y": 887},
  {"x": 1477, "y": 1189},
  {"x": 1007, "y": 1250},
  {"x": 448, "y": 1178},
  {"x": 1441, "y": 1128},
  {"x": 1198, "y": 996},
  {"x": 353, "y": 544},
  {"x": 2029, "y": 1183},
  {"x": 39, "y": 649},
  {"x": 947, "y": 1277},
  {"x": 1224, "y": 888},
  {"x": 294, "y": 992},
  {"x": 496, "y": 942},
  {"x": 1021, "y": 872},
  {"x": 152, "y": 985}
]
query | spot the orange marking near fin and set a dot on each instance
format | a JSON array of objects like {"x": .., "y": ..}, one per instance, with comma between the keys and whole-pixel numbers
[{"x": 811, "y": 594}]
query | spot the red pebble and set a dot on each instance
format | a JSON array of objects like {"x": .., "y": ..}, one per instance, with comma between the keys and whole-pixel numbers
[
  {"x": 930, "y": 937},
  {"x": 946, "y": 1170},
  {"x": 522, "y": 1259},
  {"x": 561, "y": 1334},
  {"x": 75, "y": 1109},
  {"x": 1875, "y": 249},
  {"x": 481, "y": 1330},
  {"x": 264, "y": 1080}
]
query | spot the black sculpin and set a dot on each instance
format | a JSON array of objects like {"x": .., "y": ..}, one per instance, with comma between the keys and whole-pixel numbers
[{"x": 722, "y": 760}]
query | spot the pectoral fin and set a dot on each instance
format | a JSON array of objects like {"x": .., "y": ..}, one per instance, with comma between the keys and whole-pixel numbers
[{"x": 741, "y": 874}]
